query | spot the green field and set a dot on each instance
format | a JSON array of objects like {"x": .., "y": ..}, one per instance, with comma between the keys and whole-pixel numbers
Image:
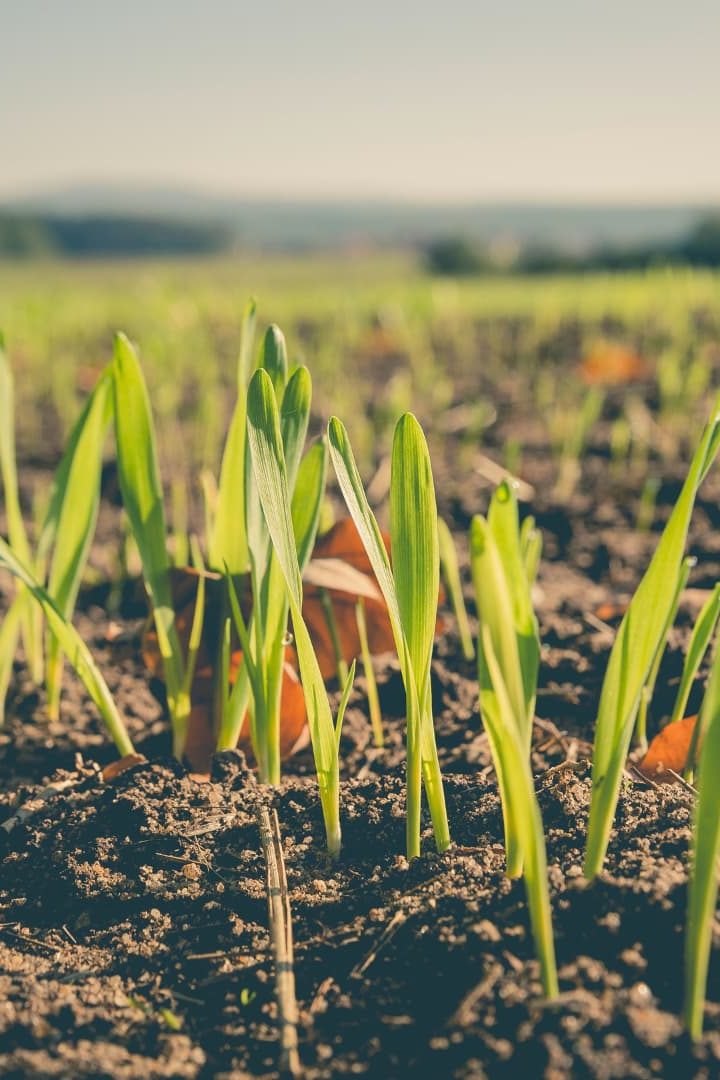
[{"x": 355, "y": 318}]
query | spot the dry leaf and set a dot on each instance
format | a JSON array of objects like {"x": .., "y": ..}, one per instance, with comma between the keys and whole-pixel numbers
[{"x": 668, "y": 751}]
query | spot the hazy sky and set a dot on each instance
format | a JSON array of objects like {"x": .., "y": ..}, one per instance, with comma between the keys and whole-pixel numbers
[{"x": 459, "y": 99}]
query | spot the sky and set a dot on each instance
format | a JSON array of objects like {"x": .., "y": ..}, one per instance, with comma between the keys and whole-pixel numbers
[{"x": 460, "y": 100}]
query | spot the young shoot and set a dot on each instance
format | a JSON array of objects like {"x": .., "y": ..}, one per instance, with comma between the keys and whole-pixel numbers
[
  {"x": 259, "y": 683},
  {"x": 648, "y": 689},
  {"x": 270, "y": 473},
  {"x": 504, "y": 602},
  {"x": 74, "y": 647},
  {"x": 633, "y": 653},
  {"x": 64, "y": 533},
  {"x": 702, "y": 635},
  {"x": 369, "y": 670},
  {"x": 508, "y": 661},
  {"x": 410, "y": 590},
  {"x": 703, "y": 886}
]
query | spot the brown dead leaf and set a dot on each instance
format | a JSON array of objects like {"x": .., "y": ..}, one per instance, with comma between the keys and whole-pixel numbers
[
  {"x": 117, "y": 768},
  {"x": 668, "y": 751}
]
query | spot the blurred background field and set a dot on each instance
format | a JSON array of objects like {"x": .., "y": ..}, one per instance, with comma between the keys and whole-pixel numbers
[{"x": 381, "y": 334}]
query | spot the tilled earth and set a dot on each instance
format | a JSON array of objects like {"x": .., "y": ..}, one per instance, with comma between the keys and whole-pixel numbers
[{"x": 133, "y": 915}]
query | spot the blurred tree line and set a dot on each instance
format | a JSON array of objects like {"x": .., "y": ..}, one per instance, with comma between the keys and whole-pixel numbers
[
  {"x": 27, "y": 234},
  {"x": 459, "y": 257}
]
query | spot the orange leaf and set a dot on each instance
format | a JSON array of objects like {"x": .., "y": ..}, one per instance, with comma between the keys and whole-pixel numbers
[{"x": 668, "y": 751}]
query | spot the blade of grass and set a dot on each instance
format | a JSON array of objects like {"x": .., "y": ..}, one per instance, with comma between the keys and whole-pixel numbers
[
  {"x": 72, "y": 517},
  {"x": 702, "y": 634},
  {"x": 526, "y": 814},
  {"x": 270, "y": 472},
  {"x": 9, "y": 637},
  {"x": 354, "y": 494},
  {"x": 648, "y": 689},
  {"x": 703, "y": 886},
  {"x": 227, "y": 544},
  {"x": 75, "y": 649},
  {"x": 372, "y": 690},
  {"x": 17, "y": 534},
  {"x": 141, "y": 490},
  {"x": 416, "y": 573},
  {"x": 633, "y": 653}
]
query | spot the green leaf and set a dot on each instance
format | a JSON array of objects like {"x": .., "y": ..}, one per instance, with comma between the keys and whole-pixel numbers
[
  {"x": 702, "y": 635},
  {"x": 9, "y": 637},
  {"x": 515, "y": 767},
  {"x": 227, "y": 543},
  {"x": 72, "y": 516},
  {"x": 247, "y": 342},
  {"x": 142, "y": 495},
  {"x": 270, "y": 472},
  {"x": 421, "y": 750},
  {"x": 31, "y": 630},
  {"x": 8, "y": 469},
  {"x": 415, "y": 546},
  {"x": 75, "y": 649},
  {"x": 633, "y": 652},
  {"x": 274, "y": 359},
  {"x": 703, "y": 888}
]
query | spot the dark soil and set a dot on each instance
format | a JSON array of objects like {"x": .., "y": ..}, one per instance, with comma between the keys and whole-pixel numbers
[{"x": 133, "y": 914}]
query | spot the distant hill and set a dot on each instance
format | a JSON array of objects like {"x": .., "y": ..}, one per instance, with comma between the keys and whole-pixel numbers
[{"x": 276, "y": 224}]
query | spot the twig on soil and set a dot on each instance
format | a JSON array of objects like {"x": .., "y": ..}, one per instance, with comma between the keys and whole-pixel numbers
[
  {"x": 280, "y": 926},
  {"x": 28, "y": 939},
  {"x": 465, "y": 1012},
  {"x": 38, "y": 800},
  {"x": 390, "y": 930},
  {"x": 683, "y": 782}
]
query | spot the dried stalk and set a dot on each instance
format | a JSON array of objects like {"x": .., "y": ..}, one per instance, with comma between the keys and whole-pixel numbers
[{"x": 280, "y": 926}]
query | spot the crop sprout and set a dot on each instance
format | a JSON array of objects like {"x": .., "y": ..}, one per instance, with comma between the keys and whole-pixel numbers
[
  {"x": 64, "y": 534},
  {"x": 642, "y": 631},
  {"x": 503, "y": 562},
  {"x": 410, "y": 589},
  {"x": 703, "y": 885},
  {"x": 291, "y": 546}
]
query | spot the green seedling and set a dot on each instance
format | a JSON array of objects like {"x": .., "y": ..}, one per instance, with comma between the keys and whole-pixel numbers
[
  {"x": 369, "y": 670},
  {"x": 575, "y": 442},
  {"x": 451, "y": 574},
  {"x": 703, "y": 886},
  {"x": 291, "y": 547},
  {"x": 65, "y": 530},
  {"x": 410, "y": 590},
  {"x": 702, "y": 635},
  {"x": 508, "y": 661},
  {"x": 648, "y": 689},
  {"x": 503, "y": 598},
  {"x": 264, "y": 650},
  {"x": 73, "y": 646},
  {"x": 530, "y": 548},
  {"x": 633, "y": 653}
]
